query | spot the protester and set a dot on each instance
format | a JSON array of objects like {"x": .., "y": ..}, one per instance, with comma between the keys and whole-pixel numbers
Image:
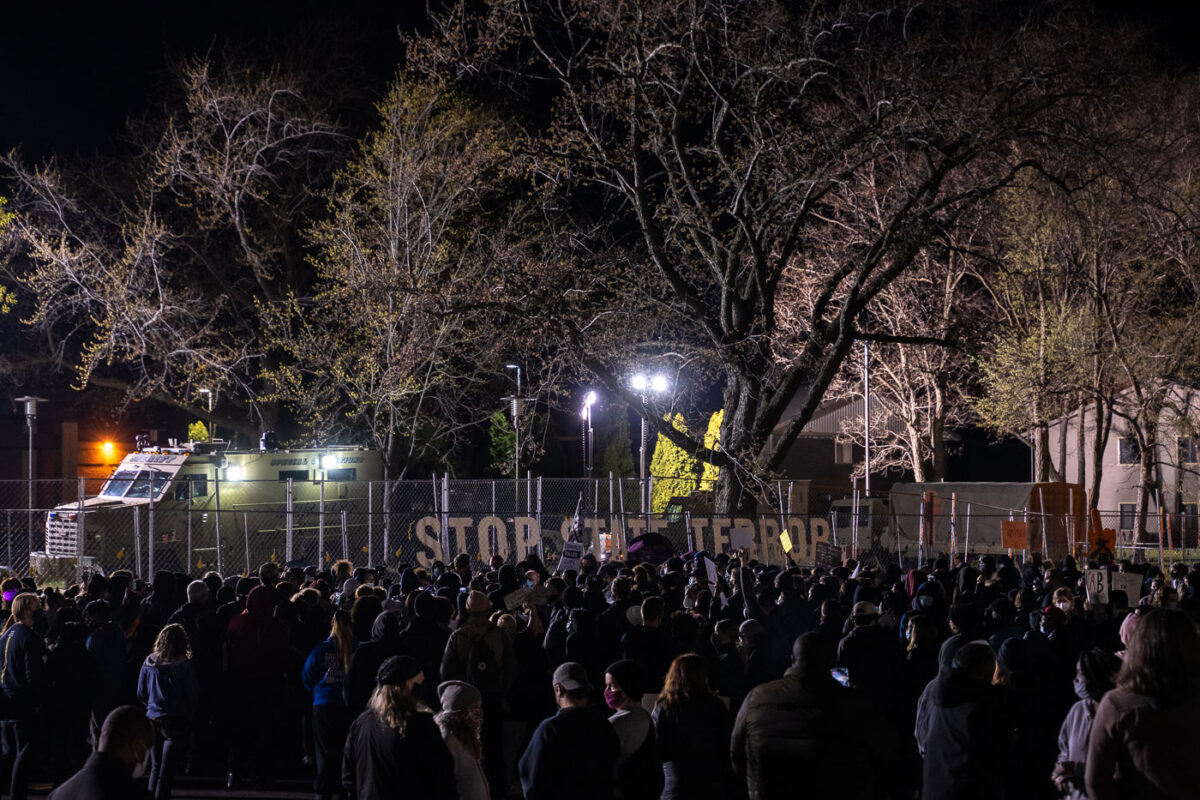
[
  {"x": 324, "y": 674},
  {"x": 25, "y": 686},
  {"x": 1094, "y": 677},
  {"x": 461, "y": 724},
  {"x": 573, "y": 753},
  {"x": 1144, "y": 735},
  {"x": 967, "y": 743},
  {"x": 693, "y": 729},
  {"x": 167, "y": 686},
  {"x": 121, "y": 759},
  {"x": 639, "y": 770},
  {"x": 394, "y": 748}
]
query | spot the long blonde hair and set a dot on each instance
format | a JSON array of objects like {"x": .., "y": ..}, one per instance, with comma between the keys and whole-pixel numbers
[
  {"x": 172, "y": 644},
  {"x": 686, "y": 680},
  {"x": 343, "y": 630},
  {"x": 394, "y": 705}
]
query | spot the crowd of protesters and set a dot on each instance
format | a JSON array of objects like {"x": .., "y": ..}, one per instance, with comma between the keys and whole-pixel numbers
[{"x": 698, "y": 678}]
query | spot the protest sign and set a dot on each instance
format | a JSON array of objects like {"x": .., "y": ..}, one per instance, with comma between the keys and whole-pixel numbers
[
  {"x": 1096, "y": 581},
  {"x": 741, "y": 538},
  {"x": 785, "y": 541},
  {"x": 572, "y": 555},
  {"x": 1014, "y": 535},
  {"x": 827, "y": 555},
  {"x": 535, "y": 596},
  {"x": 1130, "y": 583}
]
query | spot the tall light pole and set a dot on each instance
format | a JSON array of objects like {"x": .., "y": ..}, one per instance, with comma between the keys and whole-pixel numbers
[
  {"x": 516, "y": 415},
  {"x": 656, "y": 384},
  {"x": 210, "y": 422},
  {"x": 31, "y": 423},
  {"x": 589, "y": 400}
]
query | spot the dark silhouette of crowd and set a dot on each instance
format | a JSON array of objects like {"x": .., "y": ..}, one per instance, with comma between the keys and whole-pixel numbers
[{"x": 703, "y": 677}]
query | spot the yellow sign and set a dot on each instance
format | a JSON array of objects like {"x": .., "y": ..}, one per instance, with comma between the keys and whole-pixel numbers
[{"x": 785, "y": 540}]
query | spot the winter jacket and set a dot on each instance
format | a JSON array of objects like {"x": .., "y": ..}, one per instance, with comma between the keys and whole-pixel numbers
[
  {"x": 360, "y": 678},
  {"x": 806, "y": 725},
  {"x": 168, "y": 689},
  {"x": 324, "y": 673},
  {"x": 967, "y": 744},
  {"x": 469, "y": 778},
  {"x": 639, "y": 767},
  {"x": 1073, "y": 742},
  {"x": 694, "y": 742},
  {"x": 257, "y": 643},
  {"x": 872, "y": 657},
  {"x": 1141, "y": 749},
  {"x": 103, "y": 777},
  {"x": 572, "y": 754},
  {"x": 107, "y": 646},
  {"x": 379, "y": 762},
  {"x": 23, "y": 676},
  {"x": 458, "y": 650}
]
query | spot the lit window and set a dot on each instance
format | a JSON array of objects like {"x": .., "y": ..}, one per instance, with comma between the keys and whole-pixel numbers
[{"x": 1189, "y": 449}]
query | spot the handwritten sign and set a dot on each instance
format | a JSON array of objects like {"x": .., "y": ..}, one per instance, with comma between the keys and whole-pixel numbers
[
  {"x": 827, "y": 555},
  {"x": 1096, "y": 581},
  {"x": 1130, "y": 583},
  {"x": 1014, "y": 535}
]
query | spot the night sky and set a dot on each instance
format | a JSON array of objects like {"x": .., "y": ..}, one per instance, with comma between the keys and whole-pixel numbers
[{"x": 71, "y": 73}]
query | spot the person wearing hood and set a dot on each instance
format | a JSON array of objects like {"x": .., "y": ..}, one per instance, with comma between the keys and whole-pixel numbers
[
  {"x": 360, "y": 677},
  {"x": 256, "y": 650},
  {"x": 461, "y": 724},
  {"x": 168, "y": 688},
  {"x": 1094, "y": 676},
  {"x": 25, "y": 683},
  {"x": 805, "y": 723},
  {"x": 967, "y": 740}
]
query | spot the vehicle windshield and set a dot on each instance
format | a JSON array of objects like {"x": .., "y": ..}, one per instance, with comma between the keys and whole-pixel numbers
[{"x": 130, "y": 483}]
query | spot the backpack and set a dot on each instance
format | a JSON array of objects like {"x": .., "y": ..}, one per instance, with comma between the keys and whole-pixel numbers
[{"x": 483, "y": 670}]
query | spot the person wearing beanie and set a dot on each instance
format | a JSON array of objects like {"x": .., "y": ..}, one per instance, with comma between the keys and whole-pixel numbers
[
  {"x": 481, "y": 654},
  {"x": 394, "y": 748},
  {"x": 461, "y": 723}
]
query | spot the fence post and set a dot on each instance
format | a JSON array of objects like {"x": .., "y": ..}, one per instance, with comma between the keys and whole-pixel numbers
[
  {"x": 80, "y": 534},
  {"x": 246, "y": 539},
  {"x": 137, "y": 541},
  {"x": 446, "y": 513},
  {"x": 371, "y": 524},
  {"x": 541, "y": 546},
  {"x": 321, "y": 526},
  {"x": 8, "y": 534},
  {"x": 217, "y": 498},
  {"x": 191, "y": 485},
  {"x": 150, "y": 531},
  {"x": 345, "y": 537},
  {"x": 387, "y": 521},
  {"x": 289, "y": 540}
]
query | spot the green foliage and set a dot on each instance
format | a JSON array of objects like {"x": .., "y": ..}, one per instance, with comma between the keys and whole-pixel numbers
[
  {"x": 614, "y": 455},
  {"x": 502, "y": 442},
  {"x": 198, "y": 431},
  {"x": 7, "y": 298},
  {"x": 675, "y": 472}
]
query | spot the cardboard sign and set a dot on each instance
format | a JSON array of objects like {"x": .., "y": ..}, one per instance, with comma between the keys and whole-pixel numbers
[
  {"x": 785, "y": 541},
  {"x": 827, "y": 555},
  {"x": 535, "y": 595},
  {"x": 572, "y": 556},
  {"x": 741, "y": 538},
  {"x": 1130, "y": 583},
  {"x": 710, "y": 570},
  {"x": 1096, "y": 581},
  {"x": 1014, "y": 535}
]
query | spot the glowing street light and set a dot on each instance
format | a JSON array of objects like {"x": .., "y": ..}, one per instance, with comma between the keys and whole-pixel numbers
[
  {"x": 589, "y": 400},
  {"x": 653, "y": 384}
]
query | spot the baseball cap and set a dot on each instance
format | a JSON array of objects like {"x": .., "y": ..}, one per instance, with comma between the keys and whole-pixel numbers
[
  {"x": 571, "y": 676},
  {"x": 865, "y": 608}
]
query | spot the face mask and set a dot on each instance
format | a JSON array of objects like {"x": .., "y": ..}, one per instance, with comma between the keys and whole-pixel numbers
[
  {"x": 141, "y": 768},
  {"x": 1081, "y": 688},
  {"x": 614, "y": 699}
]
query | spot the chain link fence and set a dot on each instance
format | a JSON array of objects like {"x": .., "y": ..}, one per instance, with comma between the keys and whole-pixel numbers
[{"x": 194, "y": 525}]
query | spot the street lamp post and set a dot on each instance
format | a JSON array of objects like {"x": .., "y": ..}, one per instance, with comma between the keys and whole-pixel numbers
[
  {"x": 656, "y": 384},
  {"x": 516, "y": 415},
  {"x": 589, "y": 400},
  {"x": 31, "y": 402},
  {"x": 210, "y": 422}
]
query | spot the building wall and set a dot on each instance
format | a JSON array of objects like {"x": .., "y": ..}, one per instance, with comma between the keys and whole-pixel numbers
[{"x": 1179, "y": 481}]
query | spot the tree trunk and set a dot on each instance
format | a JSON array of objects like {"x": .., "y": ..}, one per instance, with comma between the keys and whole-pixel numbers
[
  {"x": 731, "y": 495},
  {"x": 1103, "y": 414},
  {"x": 1080, "y": 444},
  {"x": 937, "y": 435}
]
